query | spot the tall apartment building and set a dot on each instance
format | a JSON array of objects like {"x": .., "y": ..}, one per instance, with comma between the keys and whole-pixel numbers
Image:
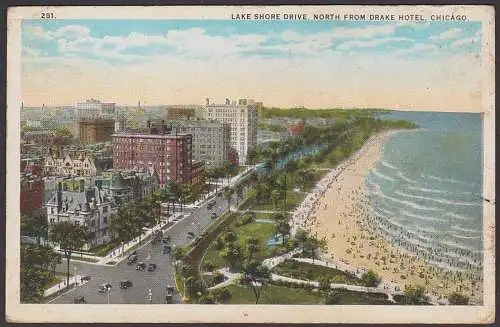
[
  {"x": 211, "y": 140},
  {"x": 242, "y": 116},
  {"x": 169, "y": 155},
  {"x": 95, "y": 130}
]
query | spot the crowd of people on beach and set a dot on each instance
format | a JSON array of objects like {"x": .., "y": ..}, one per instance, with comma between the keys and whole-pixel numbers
[{"x": 398, "y": 252}]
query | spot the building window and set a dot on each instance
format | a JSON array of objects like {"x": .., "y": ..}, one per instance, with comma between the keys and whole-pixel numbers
[
  {"x": 105, "y": 220},
  {"x": 105, "y": 209},
  {"x": 77, "y": 223}
]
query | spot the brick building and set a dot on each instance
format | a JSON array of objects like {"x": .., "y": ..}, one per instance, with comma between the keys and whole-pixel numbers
[
  {"x": 157, "y": 148},
  {"x": 198, "y": 168}
]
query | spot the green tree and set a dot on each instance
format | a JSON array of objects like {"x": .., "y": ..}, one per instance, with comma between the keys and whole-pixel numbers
[
  {"x": 283, "y": 228},
  {"x": 370, "y": 278},
  {"x": 456, "y": 298},
  {"x": 252, "y": 247},
  {"x": 324, "y": 284},
  {"x": 275, "y": 196},
  {"x": 232, "y": 254},
  {"x": 194, "y": 287},
  {"x": 333, "y": 297},
  {"x": 35, "y": 225},
  {"x": 228, "y": 194},
  {"x": 70, "y": 237},
  {"x": 414, "y": 294},
  {"x": 239, "y": 193},
  {"x": 258, "y": 276}
]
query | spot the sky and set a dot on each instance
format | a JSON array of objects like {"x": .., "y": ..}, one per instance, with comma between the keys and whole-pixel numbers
[{"x": 315, "y": 64}]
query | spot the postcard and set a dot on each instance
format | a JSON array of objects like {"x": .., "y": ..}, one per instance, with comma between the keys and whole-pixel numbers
[{"x": 287, "y": 164}]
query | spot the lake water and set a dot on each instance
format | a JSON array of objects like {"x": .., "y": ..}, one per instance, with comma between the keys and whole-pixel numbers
[{"x": 425, "y": 191}]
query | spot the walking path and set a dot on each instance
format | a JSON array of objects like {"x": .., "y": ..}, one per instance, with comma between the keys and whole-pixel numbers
[{"x": 59, "y": 287}]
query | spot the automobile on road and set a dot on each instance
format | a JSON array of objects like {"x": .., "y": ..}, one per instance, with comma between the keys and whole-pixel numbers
[
  {"x": 166, "y": 239},
  {"x": 124, "y": 284},
  {"x": 140, "y": 266},
  {"x": 132, "y": 259},
  {"x": 167, "y": 249},
  {"x": 190, "y": 234},
  {"x": 103, "y": 288},
  {"x": 152, "y": 267},
  {"x": 214, "y": 215},
  {"x": 79, "y": 300}
]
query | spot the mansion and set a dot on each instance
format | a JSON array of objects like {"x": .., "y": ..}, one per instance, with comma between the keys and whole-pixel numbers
[{"x": 81, "y": 166}]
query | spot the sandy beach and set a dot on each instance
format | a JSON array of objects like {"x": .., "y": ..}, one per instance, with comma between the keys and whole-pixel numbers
[{"x": 337, "y": 210}]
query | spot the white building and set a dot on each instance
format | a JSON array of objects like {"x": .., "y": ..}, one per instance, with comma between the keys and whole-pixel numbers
[
  {"x": 83, "y": 206},
  {"x": 95, "y": 109},
  {"x": 242, "y": 116},
  {"x": 81, "y": 166},
  {"x": 211, "y": 140}
]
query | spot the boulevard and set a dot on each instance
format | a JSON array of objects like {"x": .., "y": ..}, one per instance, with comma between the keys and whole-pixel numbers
[{"x": 195, "y": 221}]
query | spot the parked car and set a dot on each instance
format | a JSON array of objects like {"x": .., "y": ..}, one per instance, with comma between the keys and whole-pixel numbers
[
  {"x": 167, "y": 249},
  {"x": 190, "y": 234},
  {"x": 103, "y": 288},
  {"x": 85, "y": 278},
  {"x": 124, "y": 284},
  {"x": 214, "y": 215},
  {"x": 152, "y": 267},
  {"x": 166, "y": 239},
  {"x": 140, "y": 266},
  {"x": 79, "y": 300}
]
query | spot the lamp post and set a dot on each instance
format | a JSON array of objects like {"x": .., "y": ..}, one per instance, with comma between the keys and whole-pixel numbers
[{"x": 108, "y": 290}]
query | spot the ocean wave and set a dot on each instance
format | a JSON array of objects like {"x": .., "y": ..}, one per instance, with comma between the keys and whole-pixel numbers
[
  {"x": 409, "y": 180},
  {"x": 388, "y": 165},
  {"x": 408, "y": 203},
  {"x": 428, "y": 218},
  {"x": 421, "y": 189},
  {"x": 466, "y": 230},
  {"x": 463, "y": 237},
  {"x": 443, "y": 201},
  {"x": 454, "y": 215},
  {"x": 380, "y": 175},
  {"x": 441, "y": 179}
]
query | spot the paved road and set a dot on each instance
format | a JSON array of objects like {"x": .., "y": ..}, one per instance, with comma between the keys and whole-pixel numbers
[{"x": 196, "y": 222}]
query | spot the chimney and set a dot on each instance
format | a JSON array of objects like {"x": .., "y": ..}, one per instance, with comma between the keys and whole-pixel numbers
[
  {"x": 149, "y": 123},
  {"x": 227, "y": 101},
  {"x": 208, "y": 101}
]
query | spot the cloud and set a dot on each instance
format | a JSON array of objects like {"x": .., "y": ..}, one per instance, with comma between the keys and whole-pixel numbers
[
  {"x": 364, "y": 32},
  {"x": 371, "y": 43},
  {"x": 448, "y": 34},
  {"x": 467, "y": 41},
  {"x": 30, "y": 52},
  {"x": 68, "y": 31},
  {"x": 416, "y": 48}
]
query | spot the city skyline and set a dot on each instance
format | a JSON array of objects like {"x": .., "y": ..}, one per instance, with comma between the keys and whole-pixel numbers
[{"x": 417, "y": 66}]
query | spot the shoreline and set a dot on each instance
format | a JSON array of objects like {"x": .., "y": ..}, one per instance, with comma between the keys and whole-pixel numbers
[{"x": 336, "y": 211}]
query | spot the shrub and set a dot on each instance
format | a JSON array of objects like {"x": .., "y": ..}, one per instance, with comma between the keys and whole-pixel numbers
[
  {"x": 370, "y": 279},
  {"x": 218, "y": 278},
  {"x": 221, "y": 295},
  {"x": 333, "y": 297},
  {"x": 458, "y": 299},
  {"x": 208, "y": 266}
]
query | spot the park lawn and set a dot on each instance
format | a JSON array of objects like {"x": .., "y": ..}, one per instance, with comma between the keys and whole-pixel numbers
[
  {"x": 102, "y": 250},
  {"x": 273, "y": 294},
  {"x": 262, "y": 231},
  {"x": 307, "y": 271},
  {"x": 263, "y": 215},
  {"x": 292, "y": 199}
]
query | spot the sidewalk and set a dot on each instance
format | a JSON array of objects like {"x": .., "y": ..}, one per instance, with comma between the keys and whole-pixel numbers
[{"x": 61, "y": 286}]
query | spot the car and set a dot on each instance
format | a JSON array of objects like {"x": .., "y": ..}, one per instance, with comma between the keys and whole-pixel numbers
[
  {"x": 103, "y": 288},
  {"x": 79, "y": 300},
  {"x": 132, "y": 259},
  {"x": 213, "y": 215},
  {"x": 190, "y": 234},
  {"x": 85, "y": 278},
  {"x": 152, "y": 267},
  {"x": 166, "y": 239},
  {"x": 167, "y": 249},
  {"x": 140, "y": 266},
  {"x": 124, "y": 284}
]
